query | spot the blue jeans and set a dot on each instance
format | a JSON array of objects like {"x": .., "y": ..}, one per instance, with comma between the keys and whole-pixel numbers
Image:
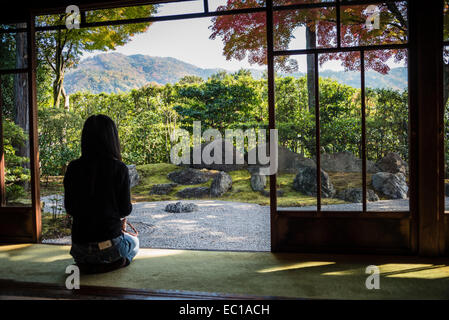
[{"x": 125, "y": 246}]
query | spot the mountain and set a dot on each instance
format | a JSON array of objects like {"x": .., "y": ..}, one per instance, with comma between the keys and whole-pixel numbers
[
  {"x": 396, "y": 78},
  {"x": 114, "y": 72}
]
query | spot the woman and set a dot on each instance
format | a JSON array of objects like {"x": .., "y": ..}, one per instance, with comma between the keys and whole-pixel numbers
[{"x": 97, "y": 196}]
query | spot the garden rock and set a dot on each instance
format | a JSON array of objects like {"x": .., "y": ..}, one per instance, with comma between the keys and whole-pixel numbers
[
  {"x": 221, "y": 184},
  {"x": 258, "y": 182},
  {"x": 355, "y": 195},
  {"x": 392, "y": 185},
  {"x": 226, "y": 148},
  {"x": 392, "y": 163},
  {"x": 179, "y": 207},
  {"x": 190, "y": 176},
  {"x": 288, "y": 161},
  {"x": 305, "y": 182},
  {"x": 163, "y": 188},
  {"x": 195, "y": 192},
  {"x": 133, "y": 175},
  {"x": 345, "y": 162}
]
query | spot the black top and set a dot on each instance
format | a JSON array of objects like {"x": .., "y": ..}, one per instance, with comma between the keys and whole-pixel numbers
[{"x": 97, "y": 196}]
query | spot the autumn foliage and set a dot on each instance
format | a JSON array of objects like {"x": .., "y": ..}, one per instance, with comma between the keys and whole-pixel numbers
[{"x": 244, "y": 35}]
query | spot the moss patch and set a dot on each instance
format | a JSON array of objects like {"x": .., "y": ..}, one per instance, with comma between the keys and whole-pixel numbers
[
  {"x": 55, "y": 227},
  {"x": 151, "y": 174},
  {"x": 346, "y": 180},
  {"x": 241, "y": 191}
]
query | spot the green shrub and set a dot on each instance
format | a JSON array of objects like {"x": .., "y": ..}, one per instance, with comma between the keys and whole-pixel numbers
[{"x": 17, "y": 174}]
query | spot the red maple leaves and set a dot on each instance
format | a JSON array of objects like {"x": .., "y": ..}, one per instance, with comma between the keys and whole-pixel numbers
[{"x": 244, "y": 35}]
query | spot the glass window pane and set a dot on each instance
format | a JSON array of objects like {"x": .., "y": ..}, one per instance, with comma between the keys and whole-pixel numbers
[
  {"x": 304, "y": 29},
  {"x": 51, "y": 20},
  {"x": 341, "y": 133},
  {"x": 113, "y": 14},
  {"x": 385, "y": 23},
  {"x": 12, "y": 27},
  {"x": 159, "y": 83},
  {"x": 15, "y": 128},
  {"x": 387, "y": 117},
  {"x": 295, "y": 121},
  {"x": 13, "y": 50},
  {"x": 121, "y": 13},
  {"x": 221, "y": 5},
  {"x": 184, "y": 7}
]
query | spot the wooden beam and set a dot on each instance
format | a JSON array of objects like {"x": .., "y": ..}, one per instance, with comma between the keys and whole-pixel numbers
[{"x": 343, "y": 234}]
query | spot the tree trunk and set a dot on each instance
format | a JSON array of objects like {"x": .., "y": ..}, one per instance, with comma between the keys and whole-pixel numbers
[
  {"x": 21, "y": 114},
  {"x": 57, "y": 88},
  {"x": 65, "y": 96},
  {"x": 311, "y": 44},
  {"x": 58, "y": 83}
]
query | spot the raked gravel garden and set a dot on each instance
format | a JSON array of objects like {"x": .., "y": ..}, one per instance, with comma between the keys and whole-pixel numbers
[
  {"x": 217, "y": 224},
  {"x": 185, "y": 208}
]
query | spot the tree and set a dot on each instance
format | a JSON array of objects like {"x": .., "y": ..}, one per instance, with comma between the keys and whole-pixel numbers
[
  {"x": 59, "y": 139},
  {"x": 190, "y": 79},
  {"x": 219, "y": 102},
  {"x": 17, "y": 174},
  {"x": 62, "y": 49},
  {"x": 21, "y": 117},
  {"x": 386, "y": 123},
  {"x": 245, "y": 35},
  {"x": 13, "y": 53}
]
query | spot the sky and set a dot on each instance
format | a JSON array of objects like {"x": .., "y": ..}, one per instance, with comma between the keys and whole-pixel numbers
[{"x": 188, "y": 40}]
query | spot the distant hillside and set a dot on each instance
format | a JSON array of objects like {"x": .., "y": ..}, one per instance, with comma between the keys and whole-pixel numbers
[
  {"x": 395, "y": 79},
  {"x": 114, "y": 72}
]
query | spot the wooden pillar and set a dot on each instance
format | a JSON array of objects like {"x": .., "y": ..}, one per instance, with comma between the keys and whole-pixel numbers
[
  {"x": 271, "y": 118},
  {"x": 33, "y": 134},
  {"x": 426, "y": 66}
]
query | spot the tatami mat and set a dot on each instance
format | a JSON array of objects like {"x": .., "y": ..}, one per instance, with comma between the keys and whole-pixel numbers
[{"x": 242, "y": 273}]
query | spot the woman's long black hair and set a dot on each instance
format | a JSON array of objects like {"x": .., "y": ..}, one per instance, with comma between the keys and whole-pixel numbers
[
  {"x": 99, "y": 139},
  {"x": 99, "y": 142}
]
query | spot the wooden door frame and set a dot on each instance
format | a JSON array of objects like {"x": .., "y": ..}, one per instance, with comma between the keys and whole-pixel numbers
[
  {"x": 23, "y": 224},
  {"x": 423, "y": 231}
]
